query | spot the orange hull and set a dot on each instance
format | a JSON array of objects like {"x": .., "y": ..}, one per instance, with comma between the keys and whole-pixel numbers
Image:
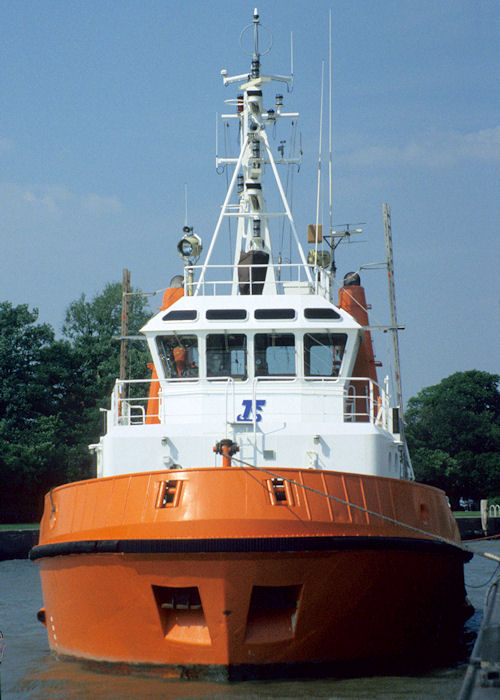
[{"x": 221, "y": 568}]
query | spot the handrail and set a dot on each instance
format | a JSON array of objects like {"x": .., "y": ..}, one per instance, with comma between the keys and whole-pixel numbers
[
  {"x": 229, "y": 385},
  {"x": 364, "y": 400},
  {"x": 226, "y": 278},
  {"x": 372, "y": 406}
]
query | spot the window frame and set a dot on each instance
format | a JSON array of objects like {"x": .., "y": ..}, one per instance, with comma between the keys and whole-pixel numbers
[
  {"x": 256, "y": 351},
  {"x": 165, "y": 361},
  {"x": 318, "y": 332},
  {"x": 245, "y": 348}
]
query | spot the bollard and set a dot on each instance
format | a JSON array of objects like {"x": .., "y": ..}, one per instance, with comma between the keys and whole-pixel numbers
[
  {"x": 227, "y": 448},
  {"x": 484, "y": 515}
]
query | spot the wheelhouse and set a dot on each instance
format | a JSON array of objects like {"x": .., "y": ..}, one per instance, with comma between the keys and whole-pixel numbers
[{"x": 243, "y": 338}]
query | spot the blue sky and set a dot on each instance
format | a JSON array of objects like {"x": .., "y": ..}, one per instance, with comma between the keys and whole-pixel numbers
[{"x": 108, "y": 108}]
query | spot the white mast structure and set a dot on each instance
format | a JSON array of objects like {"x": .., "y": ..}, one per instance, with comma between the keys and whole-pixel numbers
[{"x": 253, "y": 232}]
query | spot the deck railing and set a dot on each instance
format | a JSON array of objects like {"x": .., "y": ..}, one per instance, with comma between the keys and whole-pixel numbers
[
  {"x": 284, "y": 278},
  {"x": 133, "y": 402},
  {"x": 365, "y": 401}
]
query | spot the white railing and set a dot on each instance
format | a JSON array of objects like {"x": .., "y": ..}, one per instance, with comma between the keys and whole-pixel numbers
[
  {"x": 133, "y": 402},
  {"x": 129, "y": 403},
  {"x": 365, "y": 401},
  {"x": 288, "y": 278},
  {"x": 140, "y": 401}
]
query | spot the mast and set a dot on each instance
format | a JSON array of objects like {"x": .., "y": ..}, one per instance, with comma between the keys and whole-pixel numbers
[
  {"x": 125, "y": 319},
  {"x": 386, "y": 211},
  {"x": 253, "y": 219},
  {"x": 392, "y": 301}
]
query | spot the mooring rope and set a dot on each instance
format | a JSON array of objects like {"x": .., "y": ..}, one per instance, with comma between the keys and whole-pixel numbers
[
  {"x": 393, "y": 521},
  {"x": 482, "y": 585}
]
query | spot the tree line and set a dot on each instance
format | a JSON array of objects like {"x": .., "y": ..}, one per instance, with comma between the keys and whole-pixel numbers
[
  {"x": 51, "y": 391},
  {"x": 453, "y": 433}
]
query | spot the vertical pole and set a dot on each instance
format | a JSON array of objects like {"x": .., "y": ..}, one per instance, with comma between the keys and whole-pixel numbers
[
  {"x": 330, "y": 128},
  {"x": 392, "y": 300},
  {"x": 394, "y": 323},
  {"x": 484, "y": 515},
  {"x": 318, "y": 193},
  {"x": 125, "y": 319}
]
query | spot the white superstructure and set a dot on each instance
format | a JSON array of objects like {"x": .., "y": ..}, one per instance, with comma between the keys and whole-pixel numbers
[{"x": 255, "y": 350}]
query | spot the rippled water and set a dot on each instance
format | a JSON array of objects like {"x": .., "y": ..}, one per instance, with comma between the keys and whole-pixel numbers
[{"x": 30, "y": 671}]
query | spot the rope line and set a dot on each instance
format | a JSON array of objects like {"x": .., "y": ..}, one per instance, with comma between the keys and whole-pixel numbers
[
  {"x": 486, "y": 537},
  {"x": 445, "y": 540},
  {"x": 481, "y": 585}
]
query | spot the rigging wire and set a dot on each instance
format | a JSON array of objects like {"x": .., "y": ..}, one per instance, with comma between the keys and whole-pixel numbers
[
  {"x": 364, "y": 308},
  {"x": 386, "y": 518},
  {"x": 319, "y": 159},
  {"x": 226, "y": 151},
  {"x": 289, "y": 187},
  {"x": 293, "y": 151}
]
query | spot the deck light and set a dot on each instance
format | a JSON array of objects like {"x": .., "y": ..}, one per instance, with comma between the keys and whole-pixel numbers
[{"x": 190, "y": 246}]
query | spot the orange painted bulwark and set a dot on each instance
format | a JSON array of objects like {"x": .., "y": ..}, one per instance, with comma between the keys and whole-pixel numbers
[{"x": 209, "y": 567}]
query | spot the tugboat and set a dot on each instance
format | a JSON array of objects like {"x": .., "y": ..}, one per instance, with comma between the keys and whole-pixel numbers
[{"x": 254, "y": 506}]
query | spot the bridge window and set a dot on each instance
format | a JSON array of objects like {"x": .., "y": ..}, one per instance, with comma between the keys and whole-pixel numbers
[
  {"x": 274, "y": 354},
  {"x": 226, "y": 314},
  {"x": 181, "y": 315},
  {"x": 227, "y": 355},
  {"x": 278, "y": 314},
  {"x": 321, "y": 313},
  {"x": 179, "y": 355},
  {"x": 323, "y": 353}
]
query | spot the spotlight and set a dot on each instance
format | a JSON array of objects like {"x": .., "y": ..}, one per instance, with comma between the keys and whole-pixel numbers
[{"x": 190, "y": 246}]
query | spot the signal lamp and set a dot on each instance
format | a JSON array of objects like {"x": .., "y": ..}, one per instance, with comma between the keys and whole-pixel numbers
[{"x": 190, "y": 246}]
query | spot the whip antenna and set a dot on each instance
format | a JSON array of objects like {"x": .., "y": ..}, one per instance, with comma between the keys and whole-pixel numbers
[{"x": 330, "y": 128}]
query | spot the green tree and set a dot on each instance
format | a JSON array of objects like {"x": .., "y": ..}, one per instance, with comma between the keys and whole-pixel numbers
[
  {"x": 39, "y": 406},
  {"x": 453, "y": 432},
  {"x": 92, "y": 327},
  {"x": 51, "y": 391}
]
